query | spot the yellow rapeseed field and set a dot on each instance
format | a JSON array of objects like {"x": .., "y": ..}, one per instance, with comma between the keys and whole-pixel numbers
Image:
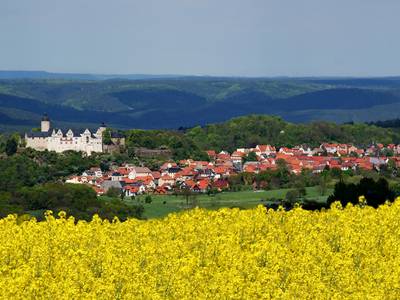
[{"x": 350, "y": 253}]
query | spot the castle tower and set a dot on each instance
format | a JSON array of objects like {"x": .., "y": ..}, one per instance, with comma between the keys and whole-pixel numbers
[
  {"x": 45, "y": 124},
  {"x": 101, "y": 129}
]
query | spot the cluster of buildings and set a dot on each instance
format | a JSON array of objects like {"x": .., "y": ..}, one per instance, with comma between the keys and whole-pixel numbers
[
  {"x": 58, "y": 140},
  {"x": 328, "y": 155},
  {"x": 202, "y": 176},
  {"x": 196, "y": 176}
]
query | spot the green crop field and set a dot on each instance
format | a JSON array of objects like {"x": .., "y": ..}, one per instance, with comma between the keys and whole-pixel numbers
[{"x": 162, "y": 205}]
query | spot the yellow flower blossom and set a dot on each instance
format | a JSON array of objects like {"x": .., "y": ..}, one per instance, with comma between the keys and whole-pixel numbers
[{"x": 340, "y": 253}]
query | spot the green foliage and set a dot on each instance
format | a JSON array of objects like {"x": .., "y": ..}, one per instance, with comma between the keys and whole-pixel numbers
[
  {"x": 31, "y": 167},
  {"x": 252, "y": 156},
  {"x": 148, "y": 199},
  {"x": 375, "y": 192},
  {"x": 55, "y": 196},
  {"x": 258, "y": 129},
  {"x": 18, "y": 171},
  {"x": 182, "y": 146},
  {"x": 77, "y": 200},
  {"x": 252, "y": 130},
  {"x": 113, "y": 192},
  {"x": 292, "y": 196},
  {"x": 11, "y": 147},
  {"x": 107, "y": 137}
]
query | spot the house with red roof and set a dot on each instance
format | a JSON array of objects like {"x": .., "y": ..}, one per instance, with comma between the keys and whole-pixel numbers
[
  {"x": 161, "y": 190},
  {"x": 251, "y": 167},
  {"x": 237, "y": 157},
  {"x": 156, "y": 176},
  {"x": 166, "y": 180},
  {"x": 168, "y": 165},
  {"x": 265, "y": 150},
  {"x": 130, "y": 191},
  {"x": 220, "y": 184},
  {"x": 211, "y": 154},
  {"x": 202, "y": 186},
  {"x": 221, "y": 172},
  {"x": 99, "y": 191}
]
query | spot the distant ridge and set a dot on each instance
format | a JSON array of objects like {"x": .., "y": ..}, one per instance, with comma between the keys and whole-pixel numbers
[
  {"x": 37, "y": 74},
  {"x": 174, "y": 102},
  {"x": 78, "y": 76}
]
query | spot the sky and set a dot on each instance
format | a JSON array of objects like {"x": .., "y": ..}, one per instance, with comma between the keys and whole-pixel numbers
[{"x": 202, "y": 37}]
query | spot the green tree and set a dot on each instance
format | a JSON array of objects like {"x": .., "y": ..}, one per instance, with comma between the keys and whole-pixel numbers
[
  {"x": 252, "y": 156},
  {"x": 107, "y": 137},
  {"x": 292, "y": 196},
  {"x": 11, "y": 146},
  {"x": 113, "y": 192},
  {"x": 148, "y": 199},
  {"x": 323, "y": 182}
]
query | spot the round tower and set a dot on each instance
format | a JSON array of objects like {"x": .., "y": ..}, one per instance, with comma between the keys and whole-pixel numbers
[{"x": 45, "y": 124}]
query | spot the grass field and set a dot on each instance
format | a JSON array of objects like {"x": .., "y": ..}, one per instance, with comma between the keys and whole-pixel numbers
[{"x": 162, "y": 205}]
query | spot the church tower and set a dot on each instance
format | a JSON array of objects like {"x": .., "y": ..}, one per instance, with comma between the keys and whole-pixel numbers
[{"x": 45, "y": 124}]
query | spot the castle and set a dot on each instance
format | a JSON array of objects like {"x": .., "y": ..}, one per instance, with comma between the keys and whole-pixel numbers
[{"x": 52, "y": 139}]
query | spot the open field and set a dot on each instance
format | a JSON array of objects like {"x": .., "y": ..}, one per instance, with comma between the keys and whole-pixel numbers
[
  {"x": 340, "y": 253},
  {"x": 162, "y": 205}
]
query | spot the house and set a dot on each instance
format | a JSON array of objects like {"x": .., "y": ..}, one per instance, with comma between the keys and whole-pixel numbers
[
  {"x": 220, "y": 184},
  {"x": 166, "y": 180},
  {"x": 146, "y": 181},
  {"x": 329, "y": 148},
  {"x": 206, "y": 173},
  {"x": 161, "y": 190},
  {"x": 188, "y": 184},
  {"x": 211, "y": 154},
  {"x": 172, "y": 171},
  {"x": 221, "y": 172},
  {"x": 251, "y": 167},
  {"x": 139, "y": 172},
  {"x": 116, "y": 176},
  {"x": 223, "y": 155},
  {"x": 156, "y": 176},
  {"x": 131, "y": 191},
  {"x": 74, "y": 180},
  {"x": 167, "y": 165},
  {"x": 202, "y": 186},
  {"x": 99, "y": 191},
  {"x": 185, "y": 174},
  {"x": 123, "y": 171},
  {"x": 237, "y": 157},
  {"x": 286, "y": 151},
  {"x": 107, "y": 184},
  {"x": 265, "y": 149}
]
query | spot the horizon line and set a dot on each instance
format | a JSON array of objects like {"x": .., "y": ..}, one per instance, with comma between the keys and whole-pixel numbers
[{"x": 171, "y": 75}]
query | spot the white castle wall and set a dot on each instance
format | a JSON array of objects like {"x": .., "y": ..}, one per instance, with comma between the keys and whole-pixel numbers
[
  {"x": 39, "y": 143},
  {"x": 59, "y": 142}
]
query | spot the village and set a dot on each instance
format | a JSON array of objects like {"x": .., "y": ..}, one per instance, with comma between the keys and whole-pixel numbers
[{"x": 203, "y": 176}]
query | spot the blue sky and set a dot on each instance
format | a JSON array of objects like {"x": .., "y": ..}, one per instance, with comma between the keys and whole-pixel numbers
[{"x": 202, "y": 37}]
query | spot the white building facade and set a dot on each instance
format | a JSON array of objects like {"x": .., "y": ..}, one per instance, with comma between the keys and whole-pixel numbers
[{"x": 55, "y": 140}]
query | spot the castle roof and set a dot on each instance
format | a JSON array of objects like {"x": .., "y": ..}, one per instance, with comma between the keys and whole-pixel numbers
[
  {"x": 38, "y": 134},
  {"x": 34, "y": 134},
  {"x": 45, "y": 117},
  {"x": 116, "y": 135}
]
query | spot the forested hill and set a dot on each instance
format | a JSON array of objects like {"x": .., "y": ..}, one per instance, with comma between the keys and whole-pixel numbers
[
  {"x": 157, "y": 103},
  {"x": 259, "y": 129},
  {"x": 248, "y": 131}
]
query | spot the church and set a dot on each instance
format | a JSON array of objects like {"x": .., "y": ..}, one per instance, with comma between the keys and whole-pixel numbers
[{"x": 52, "y": 139}]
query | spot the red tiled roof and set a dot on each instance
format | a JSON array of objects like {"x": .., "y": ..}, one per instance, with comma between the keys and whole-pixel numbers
[
  {"x": 123, "y": 171},
  {"x": 211, "y": 153},
  {"x": 156, "y": 175}
]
